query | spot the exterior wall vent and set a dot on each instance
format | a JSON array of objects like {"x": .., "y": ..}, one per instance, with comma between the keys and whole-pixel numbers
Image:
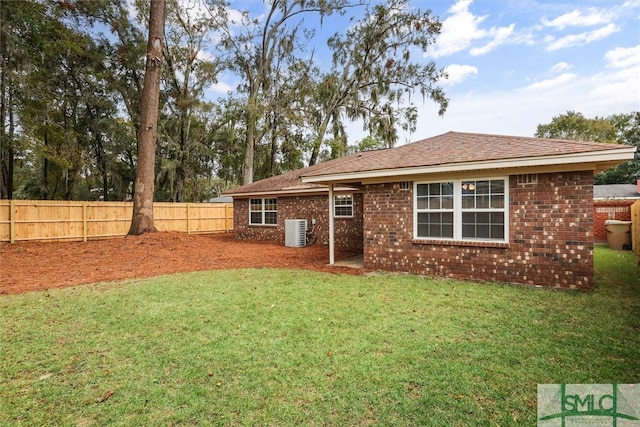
[
  {"x": 528, "y": 179},
  {"x": 295, "y": 233},
  {"x": 405, "y": 185}
]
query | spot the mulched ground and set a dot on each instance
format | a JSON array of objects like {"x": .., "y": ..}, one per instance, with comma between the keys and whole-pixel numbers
[{"x": 35, "y": 266}]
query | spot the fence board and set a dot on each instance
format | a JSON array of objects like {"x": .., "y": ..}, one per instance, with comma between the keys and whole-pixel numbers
[{"x": 22, "y": 220}]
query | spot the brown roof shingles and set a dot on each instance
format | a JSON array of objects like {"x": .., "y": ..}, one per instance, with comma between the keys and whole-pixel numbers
[
  {"x": 289, "y": 181},
  {"x": 448, "y": 148},
  {"x": 456, "y": 147}
]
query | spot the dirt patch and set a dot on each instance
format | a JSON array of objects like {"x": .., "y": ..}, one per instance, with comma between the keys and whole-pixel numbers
[{"x": 35, "y": 266}]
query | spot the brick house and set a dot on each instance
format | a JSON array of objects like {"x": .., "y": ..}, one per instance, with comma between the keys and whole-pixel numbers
[{"x": 461, "y": 205}]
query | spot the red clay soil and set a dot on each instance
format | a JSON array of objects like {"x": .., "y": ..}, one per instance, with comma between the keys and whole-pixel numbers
[{"x": 35, "y": 266}]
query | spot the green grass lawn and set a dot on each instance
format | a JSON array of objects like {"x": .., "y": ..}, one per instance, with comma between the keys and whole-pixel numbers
[{"x": 287, "y": 347}]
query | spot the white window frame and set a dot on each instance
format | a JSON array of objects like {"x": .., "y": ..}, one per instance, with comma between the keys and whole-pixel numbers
[
  {"x": 263, "y": 211},
  {"x": 346, "y": 197},
  {"x": 458, "y": 210}
]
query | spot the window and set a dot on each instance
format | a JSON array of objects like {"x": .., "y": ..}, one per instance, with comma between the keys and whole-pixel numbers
[
  {"x": 435, "y": 210},
  {"x": 343, "y": 205},
  {"x": 462, "y": 210},
  {"x": 263, "y": 211}
]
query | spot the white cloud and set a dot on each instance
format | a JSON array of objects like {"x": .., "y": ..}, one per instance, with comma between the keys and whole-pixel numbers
[
  {"x": 235, "y": 16},
  {"x": 500, "y": 36},
  {"x": 195, "y": 10},
  {"x": 221, "y": 88},
  {"x": 621, "y": 85},
  {"x": 551, "y": 83},
  {"x": 560, "y": 67},
  {"x": 593, "y": 80},
  {"x": 458, "y": 73},
  {"x": 458, "y": 30},
  {"x": 518, "y": 112},
  {"x": 462, "y": 28},
  {"x": 206, "y": 56},
  {"x": 582, "y": 38},
  {"x": 621, "y": 57},
  {"x": 619, "y": 88},
  {"x": 591, "y": 17}
]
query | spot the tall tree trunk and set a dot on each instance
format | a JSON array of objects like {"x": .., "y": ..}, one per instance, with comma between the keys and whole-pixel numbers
[
  {"x": 6, "y": 112},
  {"x": 142, "y": 220},
  {"x": 317, "y": 143},
  {"x": 274, "y": 149},
  {"x": 247, "y": 170},
  {"x": 45, "y": 169},
  {"x": 249, "y": 149},
  {"x": 6, "y": 141}
]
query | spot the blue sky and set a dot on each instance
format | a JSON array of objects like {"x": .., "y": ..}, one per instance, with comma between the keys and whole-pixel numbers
[{"x": 514, "y": 64}]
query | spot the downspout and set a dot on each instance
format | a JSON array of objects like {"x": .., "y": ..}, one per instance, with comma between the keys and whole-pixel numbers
[{"x": 331, "y": 227}]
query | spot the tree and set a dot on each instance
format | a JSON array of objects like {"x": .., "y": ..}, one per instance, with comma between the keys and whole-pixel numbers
[
  {"x": 574, "y": 126},
  {"x": 373, "y": 72},
  {"x": 57, "y": 120},
  {"x": 142, "y": 220},
  {"x": 183, "y": 140},
  {"x": 377, "y": 64},
  {"x": 7, "y": 127},
  {"x": 257, "y": 50},
  {"x": 628, "y": 132},
  {"x": 616, "y": 129},
  {"x": 62, "y": 140}
]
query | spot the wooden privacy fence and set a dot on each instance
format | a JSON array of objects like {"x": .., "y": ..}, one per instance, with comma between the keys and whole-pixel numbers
[
  {"x": 635, "y": 229},
  {"x": 69, "y": 220}
]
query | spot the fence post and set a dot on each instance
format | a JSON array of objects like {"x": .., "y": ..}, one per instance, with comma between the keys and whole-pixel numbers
[
  {"x": 12, "y": 227},
  {"x": 188, "y": 220},
  {"x": 84, "y": 221}
]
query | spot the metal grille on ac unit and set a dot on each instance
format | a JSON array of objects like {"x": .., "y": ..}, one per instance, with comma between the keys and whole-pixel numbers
[{"x": 295, "y": 233}]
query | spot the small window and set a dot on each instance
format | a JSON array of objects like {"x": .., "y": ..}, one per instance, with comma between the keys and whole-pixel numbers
[
  {"x": 263, "y": 211},
  {"x": 343, "y": 205}
]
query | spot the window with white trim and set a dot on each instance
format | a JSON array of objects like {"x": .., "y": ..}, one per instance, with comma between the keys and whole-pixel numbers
[
  {"x": 343, "y": 205},
  {"x": 474, "y": 209},
  {"x": 263, "y": 211}
]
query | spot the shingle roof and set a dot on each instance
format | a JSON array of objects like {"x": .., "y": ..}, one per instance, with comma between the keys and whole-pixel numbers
[
  {"x": 286, "y": 182},
  {"x": 615, "y": 191},
  {"x": 447, "y": 149},
  {"x": 457, "y": 147}
]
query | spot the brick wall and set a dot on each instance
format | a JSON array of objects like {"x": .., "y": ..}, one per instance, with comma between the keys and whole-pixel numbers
[
  {"x": 550, "y": 244},
  {"x": 348, "y": 231},
  {"x": 609, "y": 209}
]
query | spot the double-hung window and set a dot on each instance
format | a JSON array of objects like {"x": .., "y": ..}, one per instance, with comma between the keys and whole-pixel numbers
[
  {"x": 263, "y": 211},
  {"x": 474, "y": 209},
  {"x": 434, "y": 207},
  {"x": 343, "y": 205}
]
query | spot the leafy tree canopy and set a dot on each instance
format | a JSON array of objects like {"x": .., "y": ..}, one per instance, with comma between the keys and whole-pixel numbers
[{"x": 616, "y": 129}]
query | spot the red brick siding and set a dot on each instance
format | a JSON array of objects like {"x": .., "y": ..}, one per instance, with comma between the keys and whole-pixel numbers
[
  {"x": 348, "y": 231},
  {"x": 550, "y": 244},
  {"x": 609, "y": 209}
]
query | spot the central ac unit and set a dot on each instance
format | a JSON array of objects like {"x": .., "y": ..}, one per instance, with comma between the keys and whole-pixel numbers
[{"x": 295, "y": 233}]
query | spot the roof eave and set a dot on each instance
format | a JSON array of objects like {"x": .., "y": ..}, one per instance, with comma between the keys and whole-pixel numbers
[
  {"x": 607, "y": 159},
  {"x": 286, "y": 192},
  {"x": 614, "y": 198}
]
